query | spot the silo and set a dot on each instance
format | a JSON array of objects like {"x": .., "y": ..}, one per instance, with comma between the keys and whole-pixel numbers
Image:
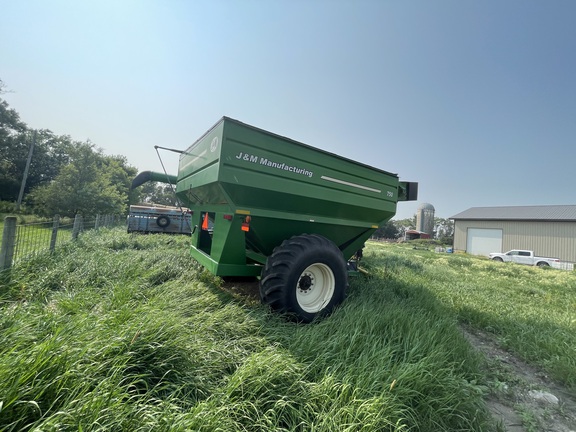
[{"x": 425, "y": 219}]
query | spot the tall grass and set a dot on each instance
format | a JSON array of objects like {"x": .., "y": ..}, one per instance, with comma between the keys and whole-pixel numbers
[
  {"x": 126, "y": 332},
  {"x": 532, "y": 311}
]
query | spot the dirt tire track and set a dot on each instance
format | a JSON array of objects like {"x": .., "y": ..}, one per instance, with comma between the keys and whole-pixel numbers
[{"x": 512, "y": 406}]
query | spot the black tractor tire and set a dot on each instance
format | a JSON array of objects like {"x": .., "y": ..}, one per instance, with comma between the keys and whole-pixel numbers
[
  {"x": 304, "y": 278},
  {"x": 163, "y": 221}
]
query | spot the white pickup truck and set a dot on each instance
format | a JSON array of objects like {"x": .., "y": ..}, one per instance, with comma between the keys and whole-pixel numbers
[{"x": 523, "y": 257}]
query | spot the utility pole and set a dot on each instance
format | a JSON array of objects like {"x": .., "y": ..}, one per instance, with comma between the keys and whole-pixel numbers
[{"x": 25, "y": 177}]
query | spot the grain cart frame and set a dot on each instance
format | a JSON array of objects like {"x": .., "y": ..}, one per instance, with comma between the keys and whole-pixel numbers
[{"x": 281, "y": 210}]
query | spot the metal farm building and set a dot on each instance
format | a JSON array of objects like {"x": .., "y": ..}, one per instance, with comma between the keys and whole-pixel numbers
[{"x": 549, "y": 231}]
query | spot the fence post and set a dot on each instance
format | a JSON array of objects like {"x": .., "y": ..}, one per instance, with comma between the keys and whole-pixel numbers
[
  {"x": 77, "y": 226},
  {"x": 97, "y": 223},
  {"x": 55, "y": 226},
  {"x": 8, "y": 242}
]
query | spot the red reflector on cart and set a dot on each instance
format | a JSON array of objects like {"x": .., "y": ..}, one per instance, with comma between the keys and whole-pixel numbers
[
  {"x": 245, "y": 227},
  {"x": 228, "y": 217}
]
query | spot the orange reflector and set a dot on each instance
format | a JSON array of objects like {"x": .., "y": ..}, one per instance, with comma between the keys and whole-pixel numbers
[
  {"x": 245, "y": 227},
  {"x": 205, "y": 222}
]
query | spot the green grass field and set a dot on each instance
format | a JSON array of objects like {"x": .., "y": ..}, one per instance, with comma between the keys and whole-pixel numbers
[
  {"x": 127, "y": 333},
  {"x": 531, "y": 310}
]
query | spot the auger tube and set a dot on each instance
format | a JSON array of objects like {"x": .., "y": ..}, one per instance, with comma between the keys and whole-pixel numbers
[{"x": 146, "y": 176}]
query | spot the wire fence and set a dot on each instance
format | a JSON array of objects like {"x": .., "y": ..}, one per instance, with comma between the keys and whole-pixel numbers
[{"x": 21, "y": 242}]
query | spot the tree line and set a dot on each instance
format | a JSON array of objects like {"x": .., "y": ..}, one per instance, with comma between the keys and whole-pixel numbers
[{"x": 65, "y": 176}]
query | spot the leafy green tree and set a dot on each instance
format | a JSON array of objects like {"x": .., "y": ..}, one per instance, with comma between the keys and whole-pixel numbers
[
  {"x": 444, "y": 229},
  {"x": 49, "y": 155},
  {"x": 90, "y": 184},
  {"x": 157, "y": 193},
  {"x": 409, "y": 223},
  {"x": 120, "y": 175},
  {"x": 12, "y": 151},
  {"x": 404, "y": 225},
  {"x": 387, "y": 231}
]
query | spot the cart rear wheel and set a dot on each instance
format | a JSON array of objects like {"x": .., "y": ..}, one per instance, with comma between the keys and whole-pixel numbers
[
  {"x": 163, "y": 221},
  {"x": 305, "y": 277}
]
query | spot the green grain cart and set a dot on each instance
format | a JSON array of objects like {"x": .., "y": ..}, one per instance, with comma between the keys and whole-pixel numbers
[{"x": 293, "y": 215}]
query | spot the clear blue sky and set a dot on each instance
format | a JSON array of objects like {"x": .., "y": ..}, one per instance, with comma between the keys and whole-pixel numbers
[{"x": 475, "y": 100}]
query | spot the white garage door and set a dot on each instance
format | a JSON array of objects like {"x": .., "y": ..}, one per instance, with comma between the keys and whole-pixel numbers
[{"x": 482, "y": 241}]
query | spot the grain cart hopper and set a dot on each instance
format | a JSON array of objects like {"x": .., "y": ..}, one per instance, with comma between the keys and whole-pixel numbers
[{"x": 265, "y": 205}]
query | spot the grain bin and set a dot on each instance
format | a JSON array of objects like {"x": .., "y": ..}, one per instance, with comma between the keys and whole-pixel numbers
[{"x": 425, "y": 219}]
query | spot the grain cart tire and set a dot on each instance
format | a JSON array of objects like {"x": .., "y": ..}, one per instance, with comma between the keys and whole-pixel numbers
[
  {"x": 305, "y": 277},
  {"x": 163, "y": 221}
]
